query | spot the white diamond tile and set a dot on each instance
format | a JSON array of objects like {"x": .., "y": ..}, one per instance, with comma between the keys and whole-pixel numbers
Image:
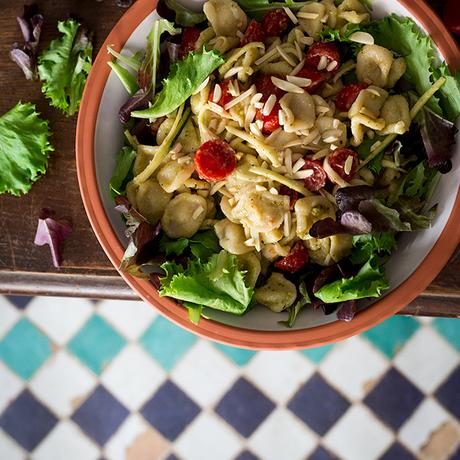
[
  {"x": 133, "y": 376},
  {"x": 279, "y": 374},
  {"x": 281, "y": 435},
  {"x": 59, "y": 317},
  {"x": 10, "y": 386},
  {"x": 354, "y": 367},
  {"x": 67, "y": 442},
  {"x": 425, "y": 319},
  {"x": 130, "y": 318},
  {"x": 9, "y": 449},
  {"x": 358, "y": 435},
  {"x": 62, "y": 383},
  {"x": 204, "y": 374},
  {"x": 9, "y": 315},
  {"x": 426, "y": 359},
  {"x": 428, "y": 417},
  {"x": 135, "y": 439},
  {"x": 207, "y": 438}
]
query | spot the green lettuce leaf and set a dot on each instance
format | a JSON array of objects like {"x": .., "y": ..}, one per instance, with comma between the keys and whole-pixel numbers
[
  {"x": 184, "y": 16},
  {"x": 364, "y": 150},
  {"x": 185, "y": 77},
  {"x": 295, "y": 309},
  {"x": 370, "y": 281},
  {"x": 366, "y": 246},
  {"x": 217, "y": 283},
  {"x": 257, "y": 8},
  {"x": 328, "y": 34},
  {"x": 449, "y": 94},
  {"x": 123, "y": 169},
  {"x": 24, "y": 148},
  {"x": 405, "y": 38},
  {"x": 202, "y": 245},
  {"x": 64, "y": 67}
]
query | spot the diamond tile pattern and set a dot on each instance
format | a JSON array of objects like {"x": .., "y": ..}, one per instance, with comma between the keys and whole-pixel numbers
[
  {"x": 394, "y": 399},
  {"x": 244, "y": 407},
  {"x": 114, "y": 380},
  {"x": 100, "y": 415},
  {"x": 318, "y": 405}
]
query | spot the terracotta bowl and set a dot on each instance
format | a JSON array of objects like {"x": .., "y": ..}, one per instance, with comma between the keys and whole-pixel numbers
[{"x": 420, "y": 257}]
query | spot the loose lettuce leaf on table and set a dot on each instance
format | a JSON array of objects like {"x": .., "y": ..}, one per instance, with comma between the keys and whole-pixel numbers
[
  {"x": 185, "y": 77},
  {"x": 217, "y": 283},
  {"x": 370, "y": 281},
  {"x": 64, "y": 67},
  {"x": 24, "y": 148}
]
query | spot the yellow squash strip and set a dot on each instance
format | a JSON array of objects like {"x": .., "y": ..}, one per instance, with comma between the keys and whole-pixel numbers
[
  {"x": 277, "y": 177},
  {"x": 413, "y": 113},
  {"x": 163, "y": 149},
  {"x": 224, "y": 68}
]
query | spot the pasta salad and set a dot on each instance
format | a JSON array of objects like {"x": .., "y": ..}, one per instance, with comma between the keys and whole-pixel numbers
[{"x": 274, "y": 152}]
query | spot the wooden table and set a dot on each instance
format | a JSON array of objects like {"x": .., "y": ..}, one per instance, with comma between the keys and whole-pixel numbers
[{"x": 27, "y": 269}]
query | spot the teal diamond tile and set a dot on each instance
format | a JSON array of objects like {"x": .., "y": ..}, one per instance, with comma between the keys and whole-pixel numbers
[
  {"x": 166, "y": 342},
  {"x": 237, "y": 355},
  {"x": 449, "y": 328},
  {"x": 96, "y": 344},
  {"x": 317, "y": 354},
  {"x": 391, "y": 335},
  {"x": 24, "y": 349}
]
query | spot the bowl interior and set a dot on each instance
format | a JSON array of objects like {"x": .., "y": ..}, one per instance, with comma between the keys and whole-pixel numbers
[{"x": 413, "y": 247}]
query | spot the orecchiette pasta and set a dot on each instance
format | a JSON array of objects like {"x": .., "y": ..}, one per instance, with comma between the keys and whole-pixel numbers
[
  {"x": 328, "y": 251},
  {"x": 310, "y": 209},
  {"x": 277, "y": 294},
  {"x": 398, "y": 69},
  {"x": 199, "y": 100},
  {"x": 174, "y": 173},
  {"x": 373, "y": 65},
  {"x": 231, "y": 237},
  {"x": 225, "y": 17},
  {"x": 223, "y": 44},
  {"x": 352, "y": 11},
  {"x": 396, "y": 114},
  {"x": 250, "y": 263},
  {"x": 310, "y": 18},
  {"x": 299, "y": 110},
  {"x": 184, "y": 215},
  {"x": 331, "y": 11},
  {"x": 151, "y": 200}
]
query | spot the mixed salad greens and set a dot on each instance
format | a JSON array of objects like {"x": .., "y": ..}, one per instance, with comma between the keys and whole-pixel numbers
[{"x": 233, "y": 197}]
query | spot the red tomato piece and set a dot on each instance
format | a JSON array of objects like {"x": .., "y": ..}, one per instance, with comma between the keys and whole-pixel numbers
[
  {"x": 215, "y": 160},
  {"x": 271, "y": 121},
  {"x": 317, "y": 78},
  {"x": 452, "y": 16},
  {"x": 320, "y": 49},
  {"x": 338, "y": 162},
  {"x": 254, "y": 33},
  {"x": 189, "y": 38},
  {"x": 265, "y": 86},
  {"x": 295, "y": 260},
  {"x": 292, "y": 194},
  {"x": 348, "y": 95},
  {"x": 226, "y": 97},
  {"x": 318, "y": 179},
  {"x": 275, "y": 23}
]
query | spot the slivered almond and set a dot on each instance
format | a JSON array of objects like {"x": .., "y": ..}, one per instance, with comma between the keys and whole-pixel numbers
[
  {"x": 273, "y": 191},
  {"x": 298, "y": 165},
  {"x": 232, "y": 71},
  {"x": 362, "y": 37},
  {"x": 256, "y": 98},
  {"x": 291, "y": 15},
  {"x": 197, "y": 212},
  {"x": 306, "y": 15},
  {"x": 260, "y": 188},
  {"x": 266, "y": 56},
  {"x": 285, "y": 56},
  {"x": 299, "y": 81},
  {"x": 206, "y": 81},
  {"x": 217, "y": 93},
  {"x": 375, "y": 145},
  {"x": 304, "y": 173},
  {"x": 331, "y": 66},
  {"x": 215, "y": 107},
  {"x": 348, "y": 165},
  {"x": 268, "y": 106},
  {"x": 286, "y": 86},
  {"x": 240, "y": 98},
  {"x": 307, "y": 40},
  {"x": 322, "y": 63},
  {"x": 298, "y": 67}
]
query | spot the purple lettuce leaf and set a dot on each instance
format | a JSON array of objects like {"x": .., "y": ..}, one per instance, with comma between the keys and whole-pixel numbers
[
  {"x": 53, "y": 233},
  {"x": 347, "y": 310},
  {"x": 438, "y": 136},
  {"x": 25, "y": 57},
  {"x": 348, "y": 198},
  {"x": 351, "y": 223},
  {"x": 383, "y": 218},
  {"x": 139, "y": 101}
]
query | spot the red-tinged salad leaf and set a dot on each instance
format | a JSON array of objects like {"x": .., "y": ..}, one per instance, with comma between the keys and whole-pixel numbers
[
  {"x": 382, "y": 218},
  {"x": 348, "y": 198},
  {"x": 438, "y": 136},
  {"x": 64, "y": 67},
  {"x": 326, "y": 227},
  {"x": 366, "y": 246},
  {"x": 53, "y": 232},
  {"x": 133, "y": 217},
  {"x": 303, "y": 299},
  {"x": 347, "y": 311},
  {"x": 25, "y": 56},
  {"x": 351, "y": 222},
  {"x": 370, "y": 281},
  {"x": 139, "y": 101},
  {"x": 24, "y": 148}
]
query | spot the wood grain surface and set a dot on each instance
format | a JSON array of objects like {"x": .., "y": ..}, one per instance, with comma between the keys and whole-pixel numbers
[{"x": 86, "y": 272}]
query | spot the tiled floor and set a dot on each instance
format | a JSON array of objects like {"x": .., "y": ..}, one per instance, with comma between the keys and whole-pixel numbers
[{"x": 85, "y": 380}]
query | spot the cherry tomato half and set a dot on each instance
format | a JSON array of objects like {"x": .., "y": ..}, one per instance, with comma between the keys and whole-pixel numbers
[
  {"x": 189, "y": 39},
  {"x": 271, "y": 121},
  {"x": 297, "y": 258},
  {"x": 215, "y": 160},
  {"x": 317, "y": 78},
  {"x": 275, "y": 23},
  {"x": 318, "y": 178},
  {"x": 348, "y": 95},
  {"x": 340, "y": 163},
  {"x": 254, "y": 33},
  {"x": 265, "y": 86},
  {"x": 327, "y": 50}
]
